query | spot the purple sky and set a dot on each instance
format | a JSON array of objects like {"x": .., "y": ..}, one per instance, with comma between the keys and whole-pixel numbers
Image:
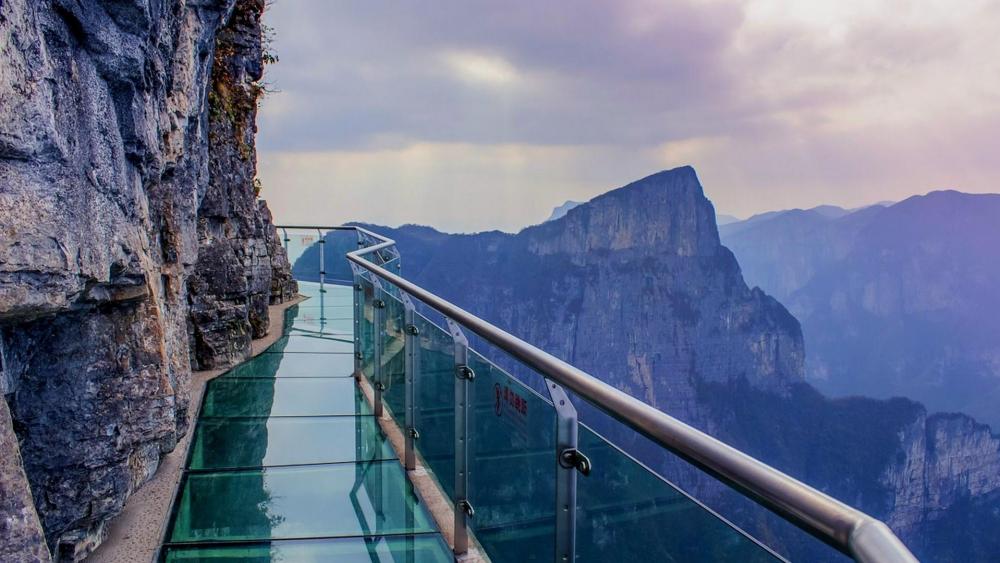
[{"x": 471, "y": 116}]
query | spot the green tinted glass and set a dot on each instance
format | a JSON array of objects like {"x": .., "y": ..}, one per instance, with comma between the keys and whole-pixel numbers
[
  {"x": 235, "y": 396},
  {"x": 424, "y": 548},
  {"x": 434, "y": 410},
  {"x": 394, "y": 357},
  {"x": 628, "y": 513},
  {"x": 296, "y": 365},
  {"x": 312, "y": 344},
  {"x": 221, "y": 443},
  {"x": 512, "y": 462},
  {"x": 366, "y": 327},
  {"x": 372, "y": 498}
]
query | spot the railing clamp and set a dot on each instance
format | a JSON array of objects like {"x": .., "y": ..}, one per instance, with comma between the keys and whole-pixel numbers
[
  {"x": 359, "y": 355},
  {"x": 414, "y": 434},
  {"x": 572, "y": 458},
  {"x": 466, "y": 507},
  {"x": 465, "y": 372},
  {"x": 412, "y": 329},
  {"x": 380, "y": 386},
  {"x": 358, "y": 287},
  {"x": 378, "y": 304}
]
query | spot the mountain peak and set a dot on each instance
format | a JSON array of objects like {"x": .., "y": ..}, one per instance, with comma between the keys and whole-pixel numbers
[
  {"x": 561, "y": 211},
  {"x": 666, "y": 212}
]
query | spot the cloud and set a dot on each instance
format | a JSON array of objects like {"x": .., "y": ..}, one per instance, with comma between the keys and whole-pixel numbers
[
  {"x": 457, "y": 187},
  {"x": 478, "y": 68},
  {"x": 777, "y": 102}
]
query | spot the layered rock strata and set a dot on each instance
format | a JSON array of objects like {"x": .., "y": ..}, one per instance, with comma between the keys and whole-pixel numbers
[{"x": 105, "y": 168}]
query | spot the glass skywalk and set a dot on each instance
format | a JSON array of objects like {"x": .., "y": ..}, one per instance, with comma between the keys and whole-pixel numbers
[{"x": 288, "y": 463}]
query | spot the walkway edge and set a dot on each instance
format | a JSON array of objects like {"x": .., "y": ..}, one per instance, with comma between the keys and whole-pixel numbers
[
  {"x": 426, "y": 486},
  {"x": 135, "y": 534}
]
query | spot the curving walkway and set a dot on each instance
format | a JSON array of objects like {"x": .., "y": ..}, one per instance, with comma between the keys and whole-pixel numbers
[{"x": 287, "y": 462}]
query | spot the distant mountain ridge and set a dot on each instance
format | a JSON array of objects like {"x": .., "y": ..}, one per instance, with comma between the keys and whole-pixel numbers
[
  {"x": 635, "y": 288},
  {"x": 562, "y": 210},
  {"x": 899, "y": 300}
]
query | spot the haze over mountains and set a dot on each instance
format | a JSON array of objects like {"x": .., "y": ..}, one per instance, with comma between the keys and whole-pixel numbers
[
  {"x": 895, "y": 300},
  {"x": 635, "y": 288}
]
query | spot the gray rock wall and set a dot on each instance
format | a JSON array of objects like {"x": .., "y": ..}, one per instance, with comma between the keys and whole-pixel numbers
[
  {"x": 105, "y": 165},
  {"x": 232, "y": 282},
  {"x": 20, "y": 529}
]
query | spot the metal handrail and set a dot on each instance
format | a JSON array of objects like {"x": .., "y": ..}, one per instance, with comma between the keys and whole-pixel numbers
[{"x": 847, "y": 529}]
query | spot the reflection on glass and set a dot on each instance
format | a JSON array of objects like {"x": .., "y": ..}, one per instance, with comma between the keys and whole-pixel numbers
[
  {"x": 512, "y": 466},
  {"x": 254, "y": 442},
  {"x": 425, "y": 548},
  {"x": 299, "y": 343},
  {"x": 434, "y": 409},
  {"x": 394, "y": 357},
  {"x": 299, "y": 502},
  {"x": 628, "y": 513},
  {"x": 244, "y": 396},
  {"x": 295, "y": 365}
]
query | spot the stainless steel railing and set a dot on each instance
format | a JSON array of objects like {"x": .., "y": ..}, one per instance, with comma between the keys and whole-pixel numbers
[{"x": 848, "y": 530}]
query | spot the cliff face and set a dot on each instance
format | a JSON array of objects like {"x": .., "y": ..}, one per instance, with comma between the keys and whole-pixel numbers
[
  {"x": 104, "y": 165},
  {"x": 635, "y": 288},
  {"x": 947, "y": 458},
  {"x": 896, "y": 300},
  {"x": 232, "y": 282}
]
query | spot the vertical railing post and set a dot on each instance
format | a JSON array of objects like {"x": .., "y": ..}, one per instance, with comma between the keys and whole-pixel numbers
[
  {"x": 411, "y": 371},
  {"x": 463, "y": 376},
  {"x": 322, "y": 267},
  {"x": 378, "y": 314},
  {"x": 569, "y": 460},
  {"x": 359, "y": 312}
]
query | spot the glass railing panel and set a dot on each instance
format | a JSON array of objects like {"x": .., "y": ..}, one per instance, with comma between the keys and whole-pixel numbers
[
  {"x": 423, "y": 548},
  {"x": 628, "y": 513},
  {"x": 394, "y": 356},
  {"x": 320, "y": 311},
  {"x": 512, "y": 466},
  {"x": 434, "y": 409},
  {"x": 304, "y": 254},
  {"x": 347, "y": 499},
  {"x": 298, "y": 242},
  {"x": 366, "y": 327}
]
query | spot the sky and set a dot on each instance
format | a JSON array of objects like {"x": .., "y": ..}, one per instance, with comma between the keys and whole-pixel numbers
[{"x": 471, "y": 116}]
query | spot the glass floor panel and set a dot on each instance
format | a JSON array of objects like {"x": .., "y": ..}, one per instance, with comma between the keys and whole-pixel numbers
[
  {"x": 309, "y": 309},
  {"x": 244, "y": 396},
  {"x": 296, "y": 365},
  {"x": 224, "y": 443},
  {"x": 339, "y": 327},
  {"x": 329, "y": 301},
  {"x": 331, "y": 291},
  {"x": 424, "y": 548},
  {"x": 368, "y": 498},
  {"x": 302, "y": 344}
]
